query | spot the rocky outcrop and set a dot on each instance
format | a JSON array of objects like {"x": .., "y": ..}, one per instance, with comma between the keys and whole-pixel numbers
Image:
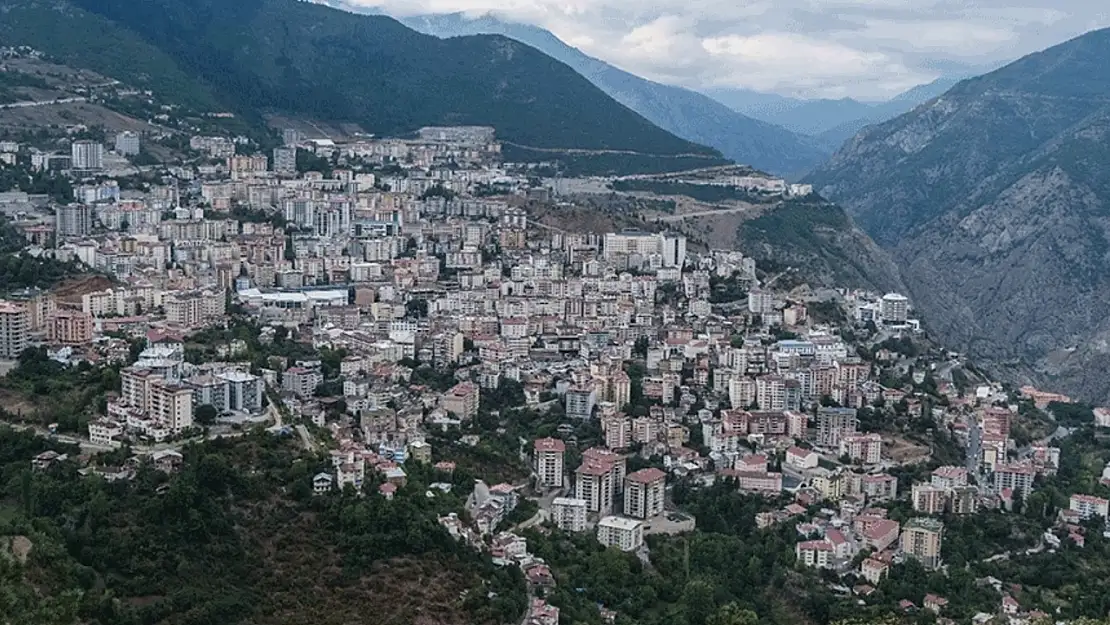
[{"x": 995, "y": 201}]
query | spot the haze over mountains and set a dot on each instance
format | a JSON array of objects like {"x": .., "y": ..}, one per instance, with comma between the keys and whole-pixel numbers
[{"x": 995, "y": 201}]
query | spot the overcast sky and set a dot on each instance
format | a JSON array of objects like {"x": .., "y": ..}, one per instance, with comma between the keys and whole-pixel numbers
[{"x": 811, "y": 48}]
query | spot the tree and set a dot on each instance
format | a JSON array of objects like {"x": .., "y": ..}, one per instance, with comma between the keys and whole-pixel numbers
[
  {"x": 733, "y": 614},
  {"x": 206, "y": 414}
]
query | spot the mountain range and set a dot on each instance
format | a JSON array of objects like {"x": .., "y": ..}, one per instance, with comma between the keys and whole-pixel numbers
[
  {"x": 828, "y": 122},
  {"x": 257, "y": 56},
  {"x": 688, "y": 114},
  {"x": 994, "y": 199}
]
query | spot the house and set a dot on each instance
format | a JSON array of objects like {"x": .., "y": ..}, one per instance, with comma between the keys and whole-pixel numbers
[
  {"x": 47, "y": 459},
  {"x": 321, "y": 483},
  {"x": 934, "y": 603},
  {"x": 873, "y": 570},
  {"x": 167, "y": 460},
  {"x": 387, "y": 490},
  {"x": 1010, "y": 606}
]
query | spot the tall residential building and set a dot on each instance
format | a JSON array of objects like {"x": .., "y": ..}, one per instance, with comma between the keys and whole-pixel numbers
[
  {"x": 171, "y": 404},
  {"x": 620, "y": 387},
  {"x": 580, "y": 402},
  {"x": 894, "y": 308},
  {"x": 15, "y": 321},
  {"x": 929, "y": 499},
  {"x": 834, "y": 424},
  {"x": 285, "y": 161},
  {"x": 618, "y": 431},
  {"x": 69, "y": 327},
  {"x": 569, "y": 514},
  {"x": 921, "y": 540},
  {"x": 644, "y": 493},
  {"x": 594, "y": 483},
  {"x": 73, "y": 220},
  {"x": 127, "y": 143},
  {"x": 547, "y": 457},
  {"x": 87, "y": 155},
  {"x": 1014, "y": 477}
]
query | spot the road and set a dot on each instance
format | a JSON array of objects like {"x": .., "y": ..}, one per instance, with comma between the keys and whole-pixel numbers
[
  {"x": 23, "y": 105},
  {"x": 709, "y": 213}
]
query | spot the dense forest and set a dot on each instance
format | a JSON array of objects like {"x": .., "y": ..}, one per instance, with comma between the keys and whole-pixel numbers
[{"x": 235, "y": 537}]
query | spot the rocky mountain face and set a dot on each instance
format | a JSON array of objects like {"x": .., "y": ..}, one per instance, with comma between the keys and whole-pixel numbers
[{"x": 995, "y": 200}]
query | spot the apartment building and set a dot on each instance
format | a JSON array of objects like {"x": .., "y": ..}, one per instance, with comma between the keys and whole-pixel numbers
[
  {"x": 644, "y": 493},
  {"x": 171, "y": 404},
  {"x": 69, "y": 327},
  {"x": 1014, "y": 477},
  {"x": 865, "y": 448},
  {"x": 462, "y": 400},
  {"x": 594, "y": 483},
  {"x": 1087, "y": 506},
  {"x": 833, "y": 424},
  {"x": 569, "y": 514},
  {"x": 580, "y": 402},
  {"x": 929, "y": 499},
  {"x": 14, "y": 329},
  {"x": 547, "y": 459},
  {"x": 817, "y": 553},
  {"x": 625, "y": 534},
  {"x": 921, "y": 540},
  {"x": 301, "y": 381}
]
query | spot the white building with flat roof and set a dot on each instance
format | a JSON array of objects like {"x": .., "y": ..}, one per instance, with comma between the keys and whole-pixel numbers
[{"x": 625, "y": 534}]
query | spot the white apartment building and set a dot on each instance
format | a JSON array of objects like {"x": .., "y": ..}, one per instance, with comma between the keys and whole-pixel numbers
[
  {"x": 580, "y": 402},
  {"x": 894, "y": 308},
  {"x": 625, "y": 534},
  {"x": 569, "y": 514},
  {"x": 1087, "y": 506}
]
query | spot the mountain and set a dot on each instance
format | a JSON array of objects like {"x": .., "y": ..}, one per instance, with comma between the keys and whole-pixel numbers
[
  {"x": 829, "y": 122},
  {"x": 685, "y": 113},
  {"x": 254, "y": 56},
  {"x": 995, "y": 200}
]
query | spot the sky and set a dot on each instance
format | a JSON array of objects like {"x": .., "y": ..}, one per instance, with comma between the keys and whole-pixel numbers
[{"x": 867, "y": 49}]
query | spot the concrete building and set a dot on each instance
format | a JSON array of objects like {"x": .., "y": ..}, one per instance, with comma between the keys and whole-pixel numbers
[
  {"x": 547, "y": 459},
  {"x": 865, "y": 448},
  {"x": 921, "y": 540},
  {"x": 580, "y": 402},
  {"x": 625, "y": 534},
  {"x": 69, "y": 327},
  {"x": 569, "y": 514},
  {"x": 171, "y": 404},
  {"x": 929, "y": 499},
  {"x": 244, "y": 391},
  {"x": 833, "y": 424},
  {"x": 128, "y": 143},
  {"x": 818, "y": 553},
  {"x": 1087, "y": 506},
  {"x": 73, "y": 220},
  {"x": 87, "y": 156},
  {"x": 894, "y": 308},
  {"x": 285, "y": 161},
  {"x": 105, "y": 432},
  {"x": 1014, "y": 477},
  {"x": 15, "y": 322},
  {"x": 644, "y": 493},
  {"x": 594, "y": 483},
  {"x": 462, "y": 400},
  {"x": 301, "y": 381}
]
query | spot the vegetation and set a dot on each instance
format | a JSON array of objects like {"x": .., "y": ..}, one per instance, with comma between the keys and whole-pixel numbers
[
  {"x": 235, "y": 537},
  {"x": 213, "y": 51}
]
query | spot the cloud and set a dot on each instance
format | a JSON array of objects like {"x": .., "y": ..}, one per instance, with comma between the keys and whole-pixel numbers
[{"x": 810, "y": 48}]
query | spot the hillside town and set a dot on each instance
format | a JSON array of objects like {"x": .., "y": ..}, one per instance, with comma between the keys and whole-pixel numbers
[{"x": 390, "y": 301}]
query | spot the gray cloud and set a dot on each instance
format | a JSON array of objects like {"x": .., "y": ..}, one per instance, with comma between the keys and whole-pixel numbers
[{"x": 811, "y": 48}]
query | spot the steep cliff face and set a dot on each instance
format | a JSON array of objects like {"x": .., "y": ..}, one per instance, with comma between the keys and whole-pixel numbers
[{"x": 995, "y": 201}]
